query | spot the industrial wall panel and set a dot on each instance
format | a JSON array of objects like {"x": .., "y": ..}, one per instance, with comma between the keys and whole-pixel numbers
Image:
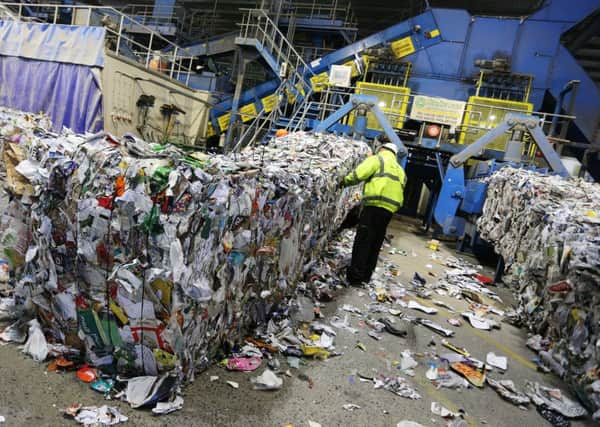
[
  {"x": 536, "y": 46},
  {"x": 453, "y": 23},
  {"x": 489, "y": 37},
  {"x": 444, "y": 59},
  {"x": 421, "y": 64},
  {"x": 587, "y": 107}
]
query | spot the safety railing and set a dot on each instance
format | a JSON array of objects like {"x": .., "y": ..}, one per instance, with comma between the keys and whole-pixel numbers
[
  {"x": 6, "y": 13},
  {"x": 150, "y": 15},
  {"x": 300, "y": 115},
  {"x": 328, "y": 10},
  {"x": 552, "y": 124},
  {"x": 555, "y": 126},
  {"x": 177, "y": 64},
  {"x": 262, "y": 123},
  {"x": 257, "y": 25}
]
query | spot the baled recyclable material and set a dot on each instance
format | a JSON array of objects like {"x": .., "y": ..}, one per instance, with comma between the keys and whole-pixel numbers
[
  {"x": 547, "y": 229},
  {"x": 150, "y": 258}
]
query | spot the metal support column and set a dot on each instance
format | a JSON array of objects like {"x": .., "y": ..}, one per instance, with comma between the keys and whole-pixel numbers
[{"x": 241, "y": 71}]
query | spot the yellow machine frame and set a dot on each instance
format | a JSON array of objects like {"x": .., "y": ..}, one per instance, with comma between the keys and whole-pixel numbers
[
  {"x": 486, "y": 113},
  {"x": 393, "y": 103}
]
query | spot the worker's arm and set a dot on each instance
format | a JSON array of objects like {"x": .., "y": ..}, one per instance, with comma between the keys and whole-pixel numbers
[{"x": 364, "y": 171}]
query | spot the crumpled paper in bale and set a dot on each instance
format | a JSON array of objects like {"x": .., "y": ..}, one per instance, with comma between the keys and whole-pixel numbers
[
  {"x": 547, "y": 229},
  {"x": 151, "y": 258}
]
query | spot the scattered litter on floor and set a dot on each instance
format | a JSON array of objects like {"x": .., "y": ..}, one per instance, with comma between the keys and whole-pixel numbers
[
  {"x": 350, "y": 407},
  {"x": 554, "y": 399},
  {"x": 507, "y": 390},
  {"x": 416, "y": 306},
  {"x": 397, "y": 385},
  {"x": 499, "y": 362},
  {"x": 268, "y": 380},
  {"x": 438, "y": 409},
  {"x": 94, "y": 416},
  {"x": 405, "y": 423},
  {"x": 163, "y": 408},
  {"x": 473, "y": 375},
  {"x": 407, "y": 362},
  {"x": 477, "y": 322},
  {"x": 436, "y": 327}
]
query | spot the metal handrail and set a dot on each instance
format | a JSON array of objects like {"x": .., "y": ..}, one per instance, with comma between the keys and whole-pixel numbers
[
  {"x": 258, "y": 124},
  {"x": 303, "y": 110},
  {"x": 326, "y": 108},
  {"x": 256, "y": 24},
  {"x": 318, "y": 9},
  {"x": 175, "y": 68},
  {"x": 246, "y": 25},
  {"x": 249, "y": 130}
]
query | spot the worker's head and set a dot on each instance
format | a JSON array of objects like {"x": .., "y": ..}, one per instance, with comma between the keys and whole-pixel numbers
[
  {"x": 280, "y": 133},
  {"x": 390, "y": 146}
]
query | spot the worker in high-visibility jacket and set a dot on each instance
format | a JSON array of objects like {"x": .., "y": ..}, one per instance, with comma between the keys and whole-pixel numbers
[{"x": 383, "y": 195}]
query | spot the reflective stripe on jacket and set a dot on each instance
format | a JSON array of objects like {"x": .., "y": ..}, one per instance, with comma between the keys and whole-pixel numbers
[{"x": 385, "y": 181}]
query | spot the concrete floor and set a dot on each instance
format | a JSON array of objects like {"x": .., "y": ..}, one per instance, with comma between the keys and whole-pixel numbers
[{"x": 30, "y": 396}]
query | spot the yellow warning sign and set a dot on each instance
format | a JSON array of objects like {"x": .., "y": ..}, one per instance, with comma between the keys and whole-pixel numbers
[
  {"x": 352, "y": 64},
  {"x": 224, "y": 121},
  {"x": 291, "y": 95},
  {"x": 403, "y": 47},
  {"x": 210, "y": 131},
  {"x": 319, "y": 82},
  {"x": 434, "y": 33},
  {"x": 248, "y": 112},
  {"x": 269, "y": 102}
]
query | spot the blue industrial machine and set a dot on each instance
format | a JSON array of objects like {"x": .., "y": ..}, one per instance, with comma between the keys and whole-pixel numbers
[
  {"x": 459, "y": 195},
  {"x": 449, "y": 48},
  {"x": 500, "y": 66},
  {"x": 460, "y": 199}
]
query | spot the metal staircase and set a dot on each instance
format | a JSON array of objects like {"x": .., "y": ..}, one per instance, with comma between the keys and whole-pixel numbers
[
  {"x": 257, "y": 30},
  {"x": 6, "y": 14}
]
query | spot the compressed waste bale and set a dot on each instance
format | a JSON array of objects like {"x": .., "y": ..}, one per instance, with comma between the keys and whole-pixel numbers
[
  {"x": 547, "y": 229},
  {"x": 149, "y": 259}
]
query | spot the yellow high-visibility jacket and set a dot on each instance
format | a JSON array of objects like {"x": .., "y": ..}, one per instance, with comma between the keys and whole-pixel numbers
[{"x": 385, "y": 181}]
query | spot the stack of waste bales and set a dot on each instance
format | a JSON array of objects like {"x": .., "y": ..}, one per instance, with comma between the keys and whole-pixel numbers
[
  {"x": 547, "y": 229},
  {"x": 148, "y": 259}
]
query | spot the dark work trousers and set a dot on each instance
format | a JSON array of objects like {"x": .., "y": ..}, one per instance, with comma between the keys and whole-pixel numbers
[{"x": 370, "y": 234}]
